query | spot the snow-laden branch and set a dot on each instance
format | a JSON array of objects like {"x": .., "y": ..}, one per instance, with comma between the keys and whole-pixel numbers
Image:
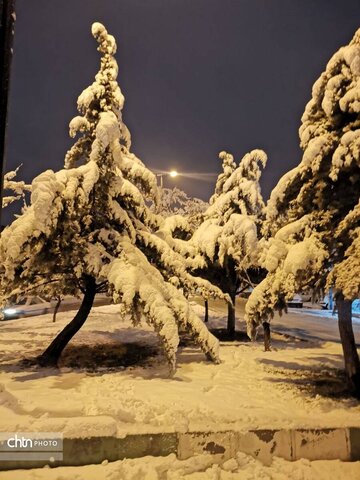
[{"x": 18, "y": 188}]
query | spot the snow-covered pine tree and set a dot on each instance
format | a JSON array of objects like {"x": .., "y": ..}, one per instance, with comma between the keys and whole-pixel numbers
[
  {"x": 88, "y": 228},
  {"x": 226, "y": 243},
  {"x": 313, "y": 216},
  {"x": 228, "y": 167},
  {"x": 175, "y": 201}
]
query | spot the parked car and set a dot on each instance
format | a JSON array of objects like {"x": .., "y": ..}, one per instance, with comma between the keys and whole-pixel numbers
[
  {"x": 306, "y": 296},
  {"x": 32, "y": 306},
  {"x": 295, "y": 302}
]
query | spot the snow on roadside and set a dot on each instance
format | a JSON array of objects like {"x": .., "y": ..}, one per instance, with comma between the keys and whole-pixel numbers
[
  {"x": 199, "y": 467},
  {"x": 249, "y": 389}
]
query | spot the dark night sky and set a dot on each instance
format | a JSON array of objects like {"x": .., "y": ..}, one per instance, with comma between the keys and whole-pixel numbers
[{"x": 199, "y": 76}]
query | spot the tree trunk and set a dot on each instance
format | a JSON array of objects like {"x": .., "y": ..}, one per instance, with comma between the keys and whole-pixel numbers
[
  {"x": 231, "y": 317},
  {"x": 351, "y": 357},
  {"x": 267, "y": 337},
  {"x": 206, "y": 319},
  {"x": 56, "y": 308},
  {"x": 52, "y": 354}
]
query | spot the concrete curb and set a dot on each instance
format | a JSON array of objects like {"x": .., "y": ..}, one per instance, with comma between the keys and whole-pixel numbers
[{"x": 312, "y": 444}]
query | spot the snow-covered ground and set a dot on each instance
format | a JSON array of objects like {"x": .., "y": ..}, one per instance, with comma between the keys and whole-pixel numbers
[
  {"x": 286, "y": 388},
  {"x": 200, "y": 467}
]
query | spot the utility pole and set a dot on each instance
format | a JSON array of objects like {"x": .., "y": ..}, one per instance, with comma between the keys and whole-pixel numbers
[{"x": 7, "y": 19}]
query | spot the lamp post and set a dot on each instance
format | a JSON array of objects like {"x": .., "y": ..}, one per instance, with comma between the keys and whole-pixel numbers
[{"x": 172, "y": 173}]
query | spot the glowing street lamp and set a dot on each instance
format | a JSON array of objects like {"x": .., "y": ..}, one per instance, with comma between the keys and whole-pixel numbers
[{"x": 172, "y": 173}]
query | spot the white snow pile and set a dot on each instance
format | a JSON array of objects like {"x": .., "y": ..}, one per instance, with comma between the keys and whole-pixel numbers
[{"x": 199, "y": 467}]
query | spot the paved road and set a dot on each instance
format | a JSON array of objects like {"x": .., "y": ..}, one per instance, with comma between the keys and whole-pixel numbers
[{"x": 306, "y": 323}]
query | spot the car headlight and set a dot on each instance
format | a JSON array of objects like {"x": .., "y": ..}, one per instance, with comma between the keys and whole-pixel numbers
[{"x": 10, "y": 311}]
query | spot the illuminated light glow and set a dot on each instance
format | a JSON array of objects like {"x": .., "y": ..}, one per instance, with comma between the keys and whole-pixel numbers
[
  {"x": 173, "y": 173},
  {"x": 10, "y": 311}
]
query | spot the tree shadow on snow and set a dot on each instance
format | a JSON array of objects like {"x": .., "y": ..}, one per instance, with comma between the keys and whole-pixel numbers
[
  {"x": 223, "y": 335},
  {"x": 327, "y": 381},
  {"x": 108, "y": 356},
  {"x": 100, "y": 358}
]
